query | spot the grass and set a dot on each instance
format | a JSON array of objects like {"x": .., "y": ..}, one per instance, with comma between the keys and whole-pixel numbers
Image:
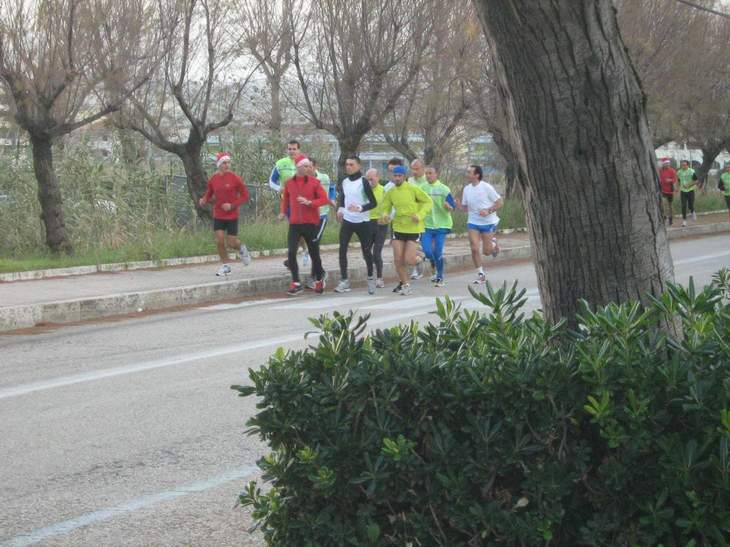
[{"x": 196, "y": 241}]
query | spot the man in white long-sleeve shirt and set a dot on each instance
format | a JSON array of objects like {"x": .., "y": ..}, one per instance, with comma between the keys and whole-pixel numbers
[{"x": 354, "y": 199}]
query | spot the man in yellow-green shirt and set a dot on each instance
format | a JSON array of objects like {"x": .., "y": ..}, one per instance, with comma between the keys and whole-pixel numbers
[
  {"x": 725, "y": 184},
  {"x": 411, "y": 205},
  {"x": 379, "y": 231}
]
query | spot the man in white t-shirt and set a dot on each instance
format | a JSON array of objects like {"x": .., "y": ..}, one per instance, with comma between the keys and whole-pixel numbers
[{"x": 481, "y": 201}]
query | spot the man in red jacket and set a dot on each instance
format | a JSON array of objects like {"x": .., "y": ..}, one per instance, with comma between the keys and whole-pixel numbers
[
  {"x": 668, "y": 183},
  {"x": 303, "y": 196},
  {"x": 230, "y": 193}
]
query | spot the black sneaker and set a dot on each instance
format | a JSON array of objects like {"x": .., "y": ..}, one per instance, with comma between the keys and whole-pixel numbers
[
  {"x": 295, "y": 289},
  {"x": 398, "y": 287}
]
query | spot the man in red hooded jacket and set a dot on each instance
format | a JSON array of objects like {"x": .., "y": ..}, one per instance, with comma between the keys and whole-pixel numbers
[
  {"x": 668, "y": 183},
  {"x": 230, "y": 193},
  {"x": 303, "y": 196}
]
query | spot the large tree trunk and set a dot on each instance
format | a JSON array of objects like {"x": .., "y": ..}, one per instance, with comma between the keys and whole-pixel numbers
[
  {"x": 197, "y": 179},
  {"x": 49, "y": 194},
  {"x": 512, "y": 167},
  {"x": 709, "y": 155},
  {"x": 576, "y": 113}
]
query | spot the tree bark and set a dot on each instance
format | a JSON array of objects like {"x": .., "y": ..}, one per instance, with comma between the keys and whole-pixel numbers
[
  {"x": 197, "y": 179},
  {"x": 577, "y": 115},
  {"x": 49, "y": 194},
  {"x": 709, "y": 155},
  {"x": 348, "y": 146},
  {"x": 275, "y": 122}
]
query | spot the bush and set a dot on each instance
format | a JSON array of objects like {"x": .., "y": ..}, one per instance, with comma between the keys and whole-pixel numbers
[{"x": 497, "y": 428}]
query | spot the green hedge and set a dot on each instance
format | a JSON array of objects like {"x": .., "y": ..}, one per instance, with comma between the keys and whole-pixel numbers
[{"x": 496, "y": 428}]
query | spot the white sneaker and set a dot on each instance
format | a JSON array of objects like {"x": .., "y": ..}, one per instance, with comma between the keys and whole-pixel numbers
[
  {"x": 434, "y": 278},
  {"x": 495, "y": 247},
  {"x": 343, "y": 286},
  {"x": 380, "y": 283},
  {"x": 223, "y": 270},
  {"x": 684, "y": 223},
  {"x": 439, "y": 283},
  {"x": 406, "y": 290},
  {"x": 245, "y": 255},
  {"x": 305, "y": 259},
  {"x": 481, "y": 279},
  {"x": 371, "y": 285},
  {"x": 416, "y": 273},
  {"x": 694, "y": 215}
]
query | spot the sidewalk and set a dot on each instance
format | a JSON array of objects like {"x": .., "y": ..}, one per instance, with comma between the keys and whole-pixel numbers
[{"x": 25, "y": 304}]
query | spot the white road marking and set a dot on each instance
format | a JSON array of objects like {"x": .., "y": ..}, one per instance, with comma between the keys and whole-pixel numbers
[
  {"x": 70, "y": 525},
  {"x": 700, "y": 258}
]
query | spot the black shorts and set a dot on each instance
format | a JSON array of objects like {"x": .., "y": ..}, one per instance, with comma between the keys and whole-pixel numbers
[
  {"x": 230, "y": 226},
  {"x": 401, "y": 236}
]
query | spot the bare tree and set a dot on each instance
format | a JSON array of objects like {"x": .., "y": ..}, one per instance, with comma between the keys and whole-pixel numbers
[
  {"x": 62, "y": 63},
  {"x": 354, "y": 60},
  {"x": 435, "y": 105},
  {"x": 683, "y": 57},
  {"x": 264, "y": 27},
  {"x": 585, "y": 151},
  {"x": 199, "y": 75}
]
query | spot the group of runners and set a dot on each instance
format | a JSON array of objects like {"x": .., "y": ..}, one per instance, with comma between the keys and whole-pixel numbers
[
  {"x": 684, "y": 180},
  {"x": 411, "y": 208}
]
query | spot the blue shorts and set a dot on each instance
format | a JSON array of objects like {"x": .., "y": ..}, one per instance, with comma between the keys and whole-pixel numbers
[{"x": 482, "y": 228}]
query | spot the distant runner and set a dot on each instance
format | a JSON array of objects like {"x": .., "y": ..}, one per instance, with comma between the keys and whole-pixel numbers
[
  {"x": 418, "y": 178},
  {"x": 379, "y": 231},
  {"x": 229, "y": 193},
  {"x": 724, "y": 184},
  {"x": 668, "y": 183},
  {"x": 687, "y": 185}
]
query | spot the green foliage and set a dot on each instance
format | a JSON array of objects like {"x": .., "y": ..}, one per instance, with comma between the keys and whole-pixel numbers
[{"x": 496, "y": 428}]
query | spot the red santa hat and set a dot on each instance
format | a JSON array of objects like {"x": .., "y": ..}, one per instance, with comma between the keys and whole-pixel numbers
[
  {"x": 666, "y": 161},
  {"x": 301, "y": 160},
  {"x": 220, "y": 157}
]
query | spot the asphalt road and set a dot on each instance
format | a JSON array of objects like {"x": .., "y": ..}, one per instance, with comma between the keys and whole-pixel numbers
[{"x": 126, "y": 432}]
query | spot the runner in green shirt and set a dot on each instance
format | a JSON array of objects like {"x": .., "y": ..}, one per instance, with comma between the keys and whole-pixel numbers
[
  {"x": 725, "y": 184},
  {"x": 438, "y": 223},
  {"x": 687, "y": 184}
]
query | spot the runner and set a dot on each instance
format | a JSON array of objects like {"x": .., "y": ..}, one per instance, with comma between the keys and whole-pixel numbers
[
  {"x": 418, "y": 179},
  {"x": 283, "y": 170},
  {"x": 392, "y": 164},
  {"x": 411, "y": 206},
  {"x": 331, "y": 192},
  {"x": 724, "y": 184},
  {"x": 481, "y": 201},
  {"x": 229, "y": 192},
  {"x": 302, "y": 197},
  {"x": 379, "y": 231},
  {"x": 687, "y": 184},
  {"x": 354, "y": 199},
  {"x": 668, "y": 183},
  {"x": 438, "y": 223}
]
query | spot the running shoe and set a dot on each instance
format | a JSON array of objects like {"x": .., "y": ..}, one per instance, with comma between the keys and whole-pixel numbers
[
  {"x": 223, "y": 270},
  {"x": 319, "y": 286},
  {"x": 343, "y": 286},
  {"x": 439, "y": 283},
  {"x": 481, "y": 279},
  {"x": 305, "y": 259},
  {"x": 398, "y": 287},
  {"x": 380, "y": 283},
  {"x": 434, "y": 278},
  {"x": 309, "y": 283},
  {"x": 245, "y": 255},
  {"x": 406, "y": 290},
  {"x": 684, "y": 223},
  {"x": 371, "y": 285},
  {"x": 416, "y": 272},
  {"x": 295, "y": 289},
  {"x": 694, "y": 215},
  {"x": 495, "y": 247}
]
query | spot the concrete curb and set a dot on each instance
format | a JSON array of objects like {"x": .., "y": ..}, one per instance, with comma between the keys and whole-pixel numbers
[
  {"x": 32, "y": 275},
  {"x": 69, "y": 311}
]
